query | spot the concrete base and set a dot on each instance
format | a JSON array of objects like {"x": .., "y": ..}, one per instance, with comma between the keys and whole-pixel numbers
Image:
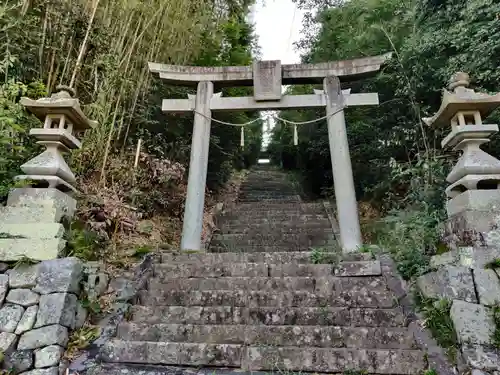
[
  {"x": 14, "y": 249},
  {"x": 62, "y": 202},
  {"x": 476, "y": 200},
  {"x": 472, "y": 228}
]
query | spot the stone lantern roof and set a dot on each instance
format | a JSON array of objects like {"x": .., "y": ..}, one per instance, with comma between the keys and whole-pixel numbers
[
  {"x": 459, "y": 98},
  {"x": 60, "y": 103}
]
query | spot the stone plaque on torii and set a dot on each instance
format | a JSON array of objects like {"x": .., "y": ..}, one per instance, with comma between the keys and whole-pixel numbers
[{"x": 267, "y": 77}]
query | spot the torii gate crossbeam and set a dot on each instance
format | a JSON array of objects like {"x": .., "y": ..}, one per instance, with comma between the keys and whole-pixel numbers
[{"x": 267, "y": 78}]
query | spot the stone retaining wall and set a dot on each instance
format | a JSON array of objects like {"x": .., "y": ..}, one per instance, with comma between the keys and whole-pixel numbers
[
  {"x": 463, "y": 277},
  {"x": 39, "y": 309}
]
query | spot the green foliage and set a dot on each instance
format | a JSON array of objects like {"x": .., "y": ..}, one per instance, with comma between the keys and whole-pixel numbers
[
  {"x": 495, "y": 263},
  {"x": 496, "y": 320},
  {"x": 16, "y": 147},
  {"x": 321, "y": 255},
  {"x": 438, "y": 321},
  {"x": 83, "y": 243}
]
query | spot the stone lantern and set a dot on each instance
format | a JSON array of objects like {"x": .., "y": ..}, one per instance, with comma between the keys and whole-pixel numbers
[
  {"x": 62, "y": 118},
  {"x": 473, "y": 196},
  {"x": 32, "y": 223}
]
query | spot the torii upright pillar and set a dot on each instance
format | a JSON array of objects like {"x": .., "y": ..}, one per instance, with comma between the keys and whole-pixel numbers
[{"x": 267, "y": 77}]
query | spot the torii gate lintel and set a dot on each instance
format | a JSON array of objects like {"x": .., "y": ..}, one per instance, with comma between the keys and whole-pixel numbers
[{"x": 267, "y": 78}]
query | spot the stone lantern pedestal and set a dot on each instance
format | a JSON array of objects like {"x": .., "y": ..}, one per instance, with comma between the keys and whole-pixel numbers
[
  {"x": 473, "y": 196},
  {"x": 462, "y": 275},
  {"x": 31, "y": 225}
]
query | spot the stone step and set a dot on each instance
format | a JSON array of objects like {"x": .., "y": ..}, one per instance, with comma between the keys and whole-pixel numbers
[
  {"x": 354, "y": 297},
  {"x": 335, "y": 316},
  {"x": 326, "y": 284},
  {"x": 278, "y": 206},
  {"x": 266, "y": 224},
  {"x": 221, "y": 248},
  {"x": 273, "y": 215},
  {"x": 379, "y": 361},
  {"x": 288, "y": 335},
  {"x": 228, "y": 219},
  {"x": 261, "y": 200},
  {"x": 275, "y": 230},
  {"x": 237, "y": 283},
  {"x": 260, "y": 257},
  {"x": 164, "y": 271},
  {"x": 303, "y": 239}
]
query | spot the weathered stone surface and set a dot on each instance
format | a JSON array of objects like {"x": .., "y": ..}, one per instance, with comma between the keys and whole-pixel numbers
[
  {"x": 10, "y": 315},
  {"x": 363, "y": 268},
  {"x": 51, "y": 198},
  {"x": 97, "y": 279},
  {"x": 59, "y": 276},
  {"x": 81, "y": 316},
  {"x": 57, "y": 308},
  {"x": 487, "y": 286},
  {"x": 7, "y": 342},
  {"x": 45, "y": 336},
  {"x": 23, "y": 276},
  {"x": 23, "y": 297},
  {"x": 300, "y": 270},
  {"x": 473, "y": 323},
  {"x": 28, "y": 320},
  {"x": 172, "y": 353},
  {"x": 287, "y": 335},
  {"x": 448, "y": 282},
  {"x": 481, "y": 357},
  {"x": 122, "y": 287},
  {"x": 449, "y": 258},
  {"x": 33, "y": 230},
  {"x": 20, "y": 360},
  {"x": 45, "y": 371},
  {"x": 4, "y": 287},
  {"x": 14, "y": 249},
  {"x": 48, "y": 356},
  {"x": 3, "y": 267},
  {"x": 269, "y": 316},
  {"x": 164, "y": 271},
  {"x": 477, "y": 257},
  {"x": 334, "y": 360}
]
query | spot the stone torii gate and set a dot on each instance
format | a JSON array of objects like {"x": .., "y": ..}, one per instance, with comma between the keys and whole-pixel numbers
[{"x": 267, "y": 77}]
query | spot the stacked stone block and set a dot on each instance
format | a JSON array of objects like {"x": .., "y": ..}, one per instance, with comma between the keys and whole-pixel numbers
[{"x": 40, "y": 308}]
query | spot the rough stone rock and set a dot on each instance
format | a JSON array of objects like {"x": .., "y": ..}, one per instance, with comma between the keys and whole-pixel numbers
[
  {"x": 10, "y": 315},
  {"x": 28, "y": 320},
  {"x": 14, "y": 249},
  {"x": 44, "y": 371},
  {"x": 481, "y": 357},
  {"x": 487, "y": 286},
  {"x": 45, "y": 336},
  {"x": 23, "y": 297},
  {"x": 448, "y": 282},
  {"x": 477, "y": 257},
  {"x": 20, "y": 360},
  {"x": 23, "y": 276},
  {"x": 7, "y": 342},
  {"x": 81, "y": 316},
  {"x": 48, "y": 356},
  {"x": 478, "y": 372},
  {"x": 57, "y": 308},
  {"x": 59, "y": 276},
  {"x": 447, "y": 259},
  {"x": 4, "y": 287},
  {"x": 3, "y": 267},
  {"x": 473, "y": 323},
  {"x": 123, "y": 288},
  {"x": 97, "y": 280}
]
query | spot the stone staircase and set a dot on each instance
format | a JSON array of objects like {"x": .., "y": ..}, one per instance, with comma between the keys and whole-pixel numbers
[{"x": 258, "y": 302}]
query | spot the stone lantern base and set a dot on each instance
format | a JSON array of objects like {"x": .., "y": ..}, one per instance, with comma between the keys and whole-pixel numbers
[{"x": 31, "y": 225}]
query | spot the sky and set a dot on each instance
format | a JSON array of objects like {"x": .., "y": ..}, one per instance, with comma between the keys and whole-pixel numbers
[{"x": 277, "y": 25}]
